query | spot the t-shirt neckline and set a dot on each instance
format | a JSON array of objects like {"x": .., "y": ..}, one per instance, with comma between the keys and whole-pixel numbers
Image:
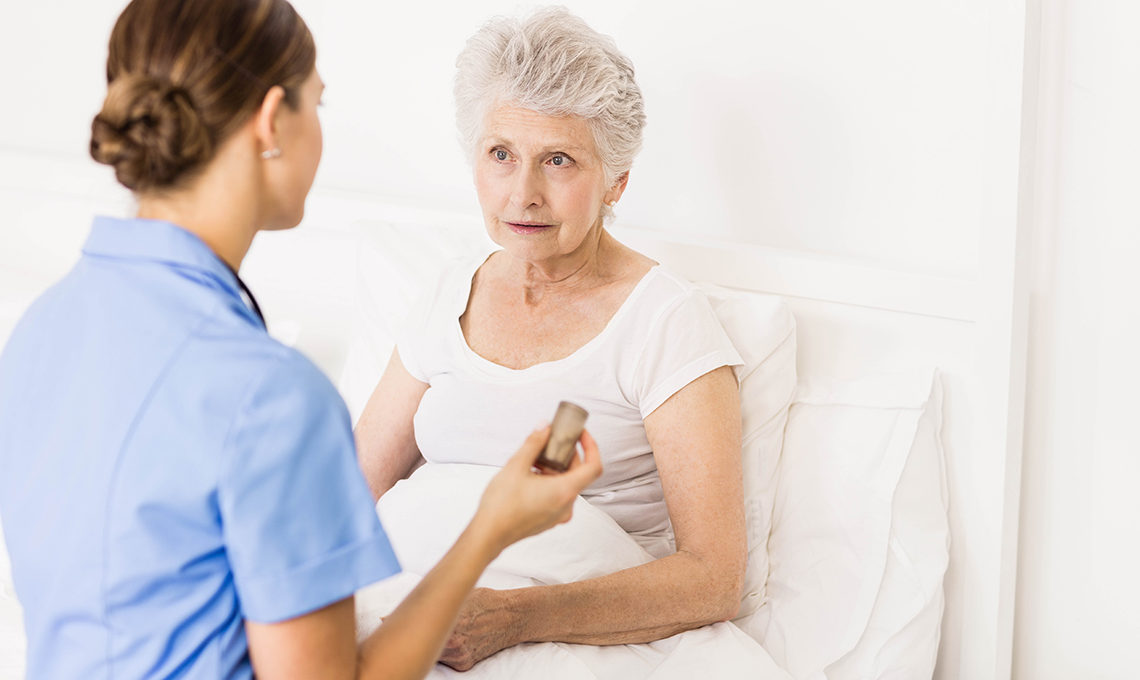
[{"x": 543, "y": 368}]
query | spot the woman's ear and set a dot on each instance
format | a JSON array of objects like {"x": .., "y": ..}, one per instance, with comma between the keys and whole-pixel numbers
[
  {"x": 615, "y": 192},
  {"x": 265, "y": 120}
]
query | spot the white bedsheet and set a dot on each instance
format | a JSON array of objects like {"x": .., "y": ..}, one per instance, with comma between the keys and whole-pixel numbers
[{"x": 426, "y": 513}]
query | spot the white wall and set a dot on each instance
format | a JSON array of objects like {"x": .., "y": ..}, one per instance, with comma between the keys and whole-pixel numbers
[
  {"x": 827, "y": 125},
  {"x": 832, "y": 126},
  {"x": 1078, "y": 585},
  {"x": 883, "y": 131}
]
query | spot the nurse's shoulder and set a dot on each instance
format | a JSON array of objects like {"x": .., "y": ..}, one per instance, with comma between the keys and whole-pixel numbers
[{"x": 250, "y": 370}]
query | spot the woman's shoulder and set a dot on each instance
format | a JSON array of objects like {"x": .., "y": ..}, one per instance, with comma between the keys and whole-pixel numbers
[
  {"x": 447, "y": 290},
  {"x": 662, "y": 288},
  {"x": 667, "y": 278},
  {"x": 426, "y": 324}
]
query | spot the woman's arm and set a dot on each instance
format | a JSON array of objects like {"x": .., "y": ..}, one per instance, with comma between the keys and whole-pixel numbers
[
  {"x": 516, "y": 504},
  {"x": 695, "y": 436},
  {"x": 385, "y": 440}
]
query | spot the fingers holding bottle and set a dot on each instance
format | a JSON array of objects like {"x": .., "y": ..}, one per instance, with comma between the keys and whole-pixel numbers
[
  {"x": 521, "y": 502},
  {"x": 586, "y": 468}
]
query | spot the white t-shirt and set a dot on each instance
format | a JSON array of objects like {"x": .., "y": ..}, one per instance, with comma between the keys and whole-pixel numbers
[{"x": 664, "y": 336}]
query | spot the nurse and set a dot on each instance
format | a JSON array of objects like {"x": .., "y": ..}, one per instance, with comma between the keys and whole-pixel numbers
[{"x": 180, "y": 493}]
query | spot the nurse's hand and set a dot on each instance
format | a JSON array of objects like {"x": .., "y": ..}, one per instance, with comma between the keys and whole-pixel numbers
[
  {"x": 517, "y": 503},
  {"x": 521, "y": 501}
]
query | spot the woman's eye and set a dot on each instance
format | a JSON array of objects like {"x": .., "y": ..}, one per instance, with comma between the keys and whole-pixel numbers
[
  {"x": 501, "y": 155},
  {"x": 559, "y": 160}
]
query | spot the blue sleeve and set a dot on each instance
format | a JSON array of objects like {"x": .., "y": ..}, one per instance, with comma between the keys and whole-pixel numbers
[{"x": 300, "y": 528}]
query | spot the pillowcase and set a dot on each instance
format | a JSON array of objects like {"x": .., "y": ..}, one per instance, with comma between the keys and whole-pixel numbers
[
  {"x": 396, "y": 261},
  {"x": 860, "y": 536},
  {"x": 902, "y": 633}
]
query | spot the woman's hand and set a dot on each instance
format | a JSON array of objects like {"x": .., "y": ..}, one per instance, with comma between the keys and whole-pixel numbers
[{"x": 485, "y": 626}]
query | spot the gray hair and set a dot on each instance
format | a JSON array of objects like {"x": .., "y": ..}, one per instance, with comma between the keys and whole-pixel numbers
[{"x": 552, "y": 63}]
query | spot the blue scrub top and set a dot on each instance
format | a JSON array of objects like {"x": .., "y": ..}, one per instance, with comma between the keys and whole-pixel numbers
[{"x": 168, "y": 470}]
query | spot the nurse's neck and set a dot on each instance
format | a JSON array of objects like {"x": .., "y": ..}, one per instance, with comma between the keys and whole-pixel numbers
[{"x": 219, "y": 204}]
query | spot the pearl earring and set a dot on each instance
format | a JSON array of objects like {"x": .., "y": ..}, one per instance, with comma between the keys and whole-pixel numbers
[{"x": 271, "y": 153}]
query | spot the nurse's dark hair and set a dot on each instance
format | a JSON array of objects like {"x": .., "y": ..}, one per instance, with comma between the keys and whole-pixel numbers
[{"x": 183, "y": 75}]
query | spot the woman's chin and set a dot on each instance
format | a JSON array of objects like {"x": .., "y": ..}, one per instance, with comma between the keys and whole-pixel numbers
[{"x": 527, "y": 252}]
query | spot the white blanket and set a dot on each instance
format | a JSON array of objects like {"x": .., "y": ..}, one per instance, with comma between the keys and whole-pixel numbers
[{"x": 425, "y": 514}]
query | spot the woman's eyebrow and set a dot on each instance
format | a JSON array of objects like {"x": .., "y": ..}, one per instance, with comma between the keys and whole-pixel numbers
[{"x": 495, "y": 140}]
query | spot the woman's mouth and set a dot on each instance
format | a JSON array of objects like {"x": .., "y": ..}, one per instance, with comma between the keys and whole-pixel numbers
[{"x": 527, "y": 227}]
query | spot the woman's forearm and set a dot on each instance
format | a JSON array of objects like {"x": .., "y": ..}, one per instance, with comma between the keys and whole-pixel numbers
[{"x": 641, "y": 604}]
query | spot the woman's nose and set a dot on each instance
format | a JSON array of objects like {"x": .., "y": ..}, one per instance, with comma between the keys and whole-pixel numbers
[{"x": 526, "y": 190}]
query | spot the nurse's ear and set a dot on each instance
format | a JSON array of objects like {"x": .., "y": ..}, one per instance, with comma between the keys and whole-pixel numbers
[{"x": 265, "y": 122}]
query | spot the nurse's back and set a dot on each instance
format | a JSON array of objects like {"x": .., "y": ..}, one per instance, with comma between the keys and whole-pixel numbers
[
  {"x": 180, "y": 493},
  {"x": 118, "y": 391},
  {"x": 155, "y": 443}
]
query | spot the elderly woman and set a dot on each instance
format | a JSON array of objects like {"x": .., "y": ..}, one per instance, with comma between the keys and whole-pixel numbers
[{"x": 551, "y": 116}]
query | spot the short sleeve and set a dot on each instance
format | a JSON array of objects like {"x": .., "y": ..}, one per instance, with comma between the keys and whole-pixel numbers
[
  {"x": 686, "y": 342},
  {"x": 299, "y": 525}
]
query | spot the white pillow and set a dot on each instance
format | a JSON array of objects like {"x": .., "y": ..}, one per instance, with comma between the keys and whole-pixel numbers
[
  {"x": 395, "y": 261},
  {"x": 860, "y": 537}
]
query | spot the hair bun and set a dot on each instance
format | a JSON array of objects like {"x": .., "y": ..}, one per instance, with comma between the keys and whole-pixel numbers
[{"x": 150, "y": 132}]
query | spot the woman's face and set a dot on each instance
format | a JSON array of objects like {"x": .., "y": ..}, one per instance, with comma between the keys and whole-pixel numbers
[
  {"x": 540, "y": 183},
  {"x": 301, "y": 142}
]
